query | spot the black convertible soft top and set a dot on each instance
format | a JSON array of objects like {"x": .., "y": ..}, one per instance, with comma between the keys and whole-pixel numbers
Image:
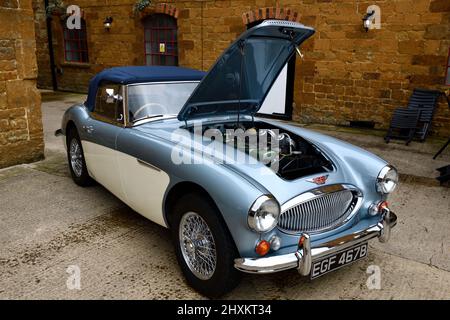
[{"x": 137, "y": 74}]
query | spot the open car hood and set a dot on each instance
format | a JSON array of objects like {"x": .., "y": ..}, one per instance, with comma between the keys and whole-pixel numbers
[{"x": 242, "y": 77}]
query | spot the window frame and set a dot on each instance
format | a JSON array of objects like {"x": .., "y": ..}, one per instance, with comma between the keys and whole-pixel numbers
[
  {"x": 129, "y": 123},
  {"x": 164, "y": 29},
  {"x": 102, "y": 117},
  {"x": 79, "y": 39}
]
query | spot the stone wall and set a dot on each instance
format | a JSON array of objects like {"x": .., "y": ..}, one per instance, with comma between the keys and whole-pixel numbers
[
  {"x": 347, "y": 73},
  {"x": 350, "y": 74},
  {"x": 21, "y": 137}
]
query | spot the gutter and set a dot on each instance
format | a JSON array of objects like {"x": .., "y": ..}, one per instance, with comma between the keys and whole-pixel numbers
[{"x": 50, "y": 48}]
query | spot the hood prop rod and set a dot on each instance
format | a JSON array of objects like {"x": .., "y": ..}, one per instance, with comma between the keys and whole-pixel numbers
[{"x": 297, "y": 49}]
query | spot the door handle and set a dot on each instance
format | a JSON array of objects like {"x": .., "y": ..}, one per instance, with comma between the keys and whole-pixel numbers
[{"x": 88, "y": 129}]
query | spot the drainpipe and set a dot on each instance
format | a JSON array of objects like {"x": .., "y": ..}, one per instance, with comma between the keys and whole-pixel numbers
[{"x": 50, "y": 48}]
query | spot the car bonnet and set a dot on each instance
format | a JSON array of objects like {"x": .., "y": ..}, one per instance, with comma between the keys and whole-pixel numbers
[{"x": 241, "y": 78}]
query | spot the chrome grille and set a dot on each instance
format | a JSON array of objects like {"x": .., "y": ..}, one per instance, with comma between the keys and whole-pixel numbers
[{"x": 321, "y": 212}]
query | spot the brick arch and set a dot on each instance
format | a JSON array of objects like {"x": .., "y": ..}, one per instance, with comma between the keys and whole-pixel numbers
[
  {"x": 270, "y": 13},
  {"x": 164, "y": 8}
]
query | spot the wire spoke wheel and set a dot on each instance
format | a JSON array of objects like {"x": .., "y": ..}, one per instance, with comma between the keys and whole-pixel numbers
[
  {"x": 197, "y": 245},
  {"x": 76, "y": 157}
]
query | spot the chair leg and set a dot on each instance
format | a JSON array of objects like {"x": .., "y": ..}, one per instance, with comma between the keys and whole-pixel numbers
[
  {"x": 410, "y": 137},
  {"x": 387, "y": 136},
  {"x": 441, "y": 150}
]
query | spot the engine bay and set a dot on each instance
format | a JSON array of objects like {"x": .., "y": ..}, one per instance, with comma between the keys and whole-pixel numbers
[{"x": 288, "y": 154}]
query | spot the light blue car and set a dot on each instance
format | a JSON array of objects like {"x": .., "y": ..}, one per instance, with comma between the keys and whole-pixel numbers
[{"x": 239, "y": 192}]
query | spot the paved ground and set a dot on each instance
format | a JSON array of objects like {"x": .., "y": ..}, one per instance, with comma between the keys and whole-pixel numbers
[{"x": 47, "y": 224}]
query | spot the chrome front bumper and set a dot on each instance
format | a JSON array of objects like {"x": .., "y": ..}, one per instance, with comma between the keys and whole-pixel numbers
[{"x": 302, "y": 259}]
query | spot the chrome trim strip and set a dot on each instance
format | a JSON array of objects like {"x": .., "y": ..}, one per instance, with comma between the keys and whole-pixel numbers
[
  {"x": 146, "y": 164},
  {"x": 296, "y": 260},
  {"x": 162, "y": 82},
  {"x": 126, "y": 120},
  {"x": 316, "y": 193}
]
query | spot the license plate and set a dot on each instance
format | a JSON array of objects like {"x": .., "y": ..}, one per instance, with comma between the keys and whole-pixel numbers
[{"x": 338, "y": 260}]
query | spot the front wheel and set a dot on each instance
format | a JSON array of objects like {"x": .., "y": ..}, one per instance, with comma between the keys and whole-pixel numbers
[{"x": 204, "y": 247}]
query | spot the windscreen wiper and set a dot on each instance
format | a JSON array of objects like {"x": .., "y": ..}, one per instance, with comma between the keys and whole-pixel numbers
[{"x": 148, "y": 117}]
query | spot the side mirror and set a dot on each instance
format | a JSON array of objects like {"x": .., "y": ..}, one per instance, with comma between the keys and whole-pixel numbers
[{"x": 111, "y": 97}]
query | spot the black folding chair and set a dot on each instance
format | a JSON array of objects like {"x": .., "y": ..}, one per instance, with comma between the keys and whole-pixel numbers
[
  {"x": 403, "y": 125},
  {"x": 423, "y": 102},
  {"x": 426, "y": 101}
]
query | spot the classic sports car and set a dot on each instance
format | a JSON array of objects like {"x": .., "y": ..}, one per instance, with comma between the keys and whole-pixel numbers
[{"x": 175, "y": 145}]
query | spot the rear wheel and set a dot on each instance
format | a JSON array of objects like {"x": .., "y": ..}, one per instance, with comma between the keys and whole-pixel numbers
[
  {"x": 75, "y": 157},
  {"x": 204, "y": 247}
]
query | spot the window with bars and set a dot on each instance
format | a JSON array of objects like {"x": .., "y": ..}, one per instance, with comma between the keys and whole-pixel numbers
[
  {"x": 447, "y": 76},
  {"x": 160, "y": 40},
  {"x": 75, "y": 44}
]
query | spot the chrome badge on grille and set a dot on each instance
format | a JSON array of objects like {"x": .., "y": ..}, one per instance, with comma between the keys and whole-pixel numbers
[{"x": 319, "y": 180}]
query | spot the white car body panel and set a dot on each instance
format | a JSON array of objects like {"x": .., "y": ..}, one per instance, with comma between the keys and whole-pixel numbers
[{"x": 128, "y": 180}]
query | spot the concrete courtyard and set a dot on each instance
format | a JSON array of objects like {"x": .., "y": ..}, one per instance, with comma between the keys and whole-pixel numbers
[{"x": 48, "y": 224}]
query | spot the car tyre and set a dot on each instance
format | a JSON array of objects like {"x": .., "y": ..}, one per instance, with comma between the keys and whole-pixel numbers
[
  {"x": 76, "y": 161},
  {"x": 194, "y": 209}
]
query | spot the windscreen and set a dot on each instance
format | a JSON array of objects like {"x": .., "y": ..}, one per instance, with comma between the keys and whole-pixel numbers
[{"x": 145, "y": 100}]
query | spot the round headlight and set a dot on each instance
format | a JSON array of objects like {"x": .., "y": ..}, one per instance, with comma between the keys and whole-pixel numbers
[
  {"x": 387, "y": 180},
  {"x": 263, "y": 215}
]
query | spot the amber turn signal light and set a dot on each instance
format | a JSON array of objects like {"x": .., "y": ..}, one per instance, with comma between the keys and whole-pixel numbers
[
  {"x": 383, "y": 206},
  {"x": 301, "y": 241},
  {"x": 262, "y": 247}
]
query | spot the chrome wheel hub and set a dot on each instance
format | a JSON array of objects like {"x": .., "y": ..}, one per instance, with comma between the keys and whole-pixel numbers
[
  {"x": 197, "y": 245},
  {"x": 76, "y": 157}
]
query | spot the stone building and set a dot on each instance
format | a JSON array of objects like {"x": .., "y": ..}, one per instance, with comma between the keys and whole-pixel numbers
[
  {"x": 347, "y": 74},
  {"x": 21, "y": 137}
]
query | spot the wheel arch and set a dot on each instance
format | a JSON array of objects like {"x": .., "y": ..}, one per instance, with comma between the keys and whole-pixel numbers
[
  {"x": 69, "y": 127},
  {"x": 185, "y": 187},
  {"x": 180, "y": 189}
]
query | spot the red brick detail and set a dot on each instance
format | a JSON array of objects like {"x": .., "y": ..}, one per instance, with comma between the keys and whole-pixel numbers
[
  {"x": 270, "y": 13},
  {"x": 164, "y": 8}
]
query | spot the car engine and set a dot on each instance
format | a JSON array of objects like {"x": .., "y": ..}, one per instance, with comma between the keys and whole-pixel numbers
[{"x": 294, "y": 156}]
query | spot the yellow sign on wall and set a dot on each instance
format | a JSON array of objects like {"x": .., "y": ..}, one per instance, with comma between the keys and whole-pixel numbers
[{"x": 162, "y": 47}]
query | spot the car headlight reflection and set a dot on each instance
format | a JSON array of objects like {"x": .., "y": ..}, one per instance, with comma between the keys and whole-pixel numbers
[
  {"x": 263, "y": 215},
  {"x": 387, "y": 180}
]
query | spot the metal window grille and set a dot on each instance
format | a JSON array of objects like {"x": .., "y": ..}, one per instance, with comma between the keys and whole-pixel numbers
[
  {"x": 160, "y": 40},
  {"x": 75, "y": 44}
]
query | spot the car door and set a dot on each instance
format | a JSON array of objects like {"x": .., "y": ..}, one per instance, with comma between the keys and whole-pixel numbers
[{"x": 99, "y": 137}]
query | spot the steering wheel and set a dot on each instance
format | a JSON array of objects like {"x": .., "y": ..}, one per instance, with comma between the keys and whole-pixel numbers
[{"x": 162, "y": 109}]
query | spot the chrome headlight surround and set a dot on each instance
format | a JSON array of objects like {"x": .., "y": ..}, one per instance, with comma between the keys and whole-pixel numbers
[
  {"x": 387, "y": 180},
  {"x": 263, "y": 214}
]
